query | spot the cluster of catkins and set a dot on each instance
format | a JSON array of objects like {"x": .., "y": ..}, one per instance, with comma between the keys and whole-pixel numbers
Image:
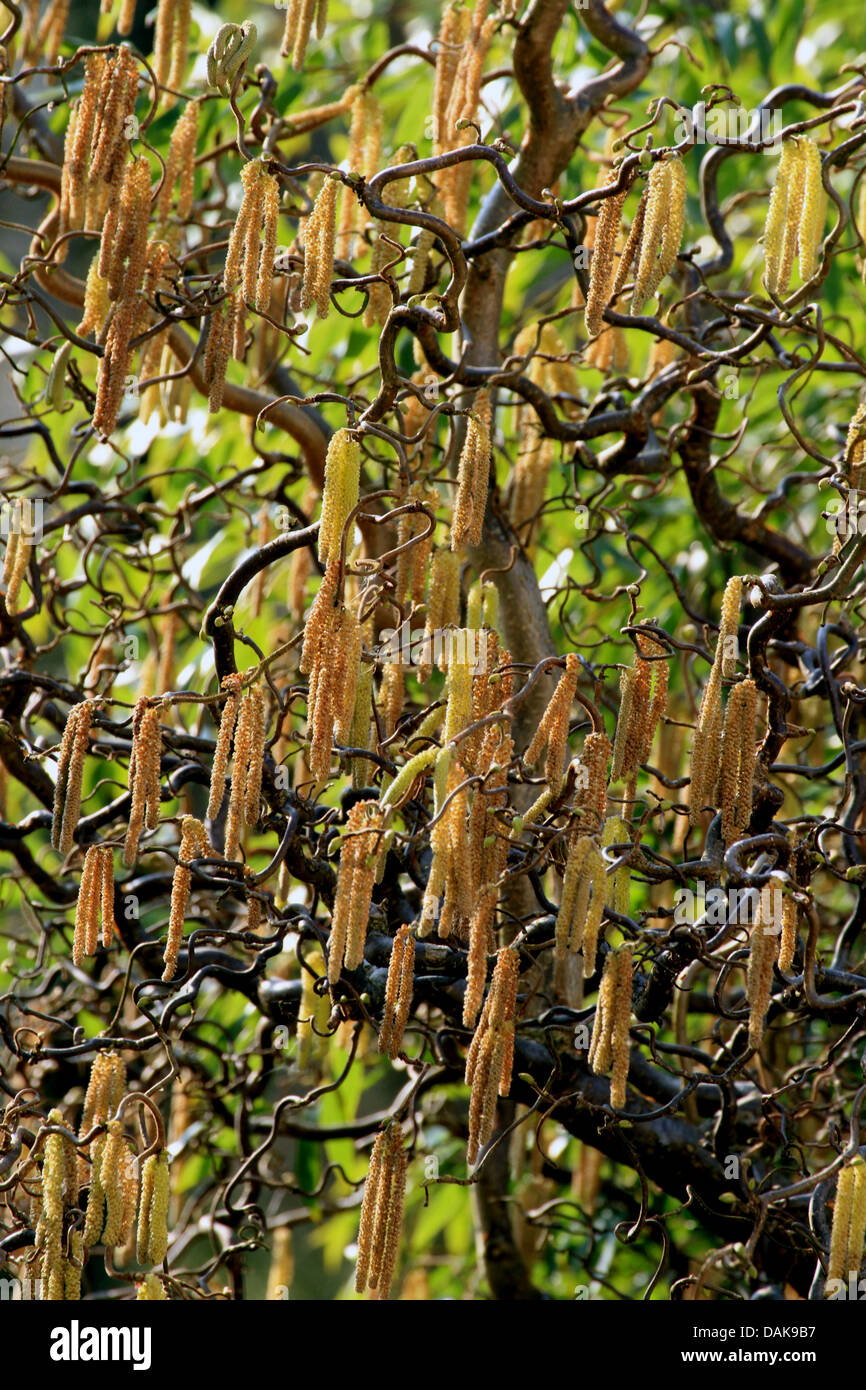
[{"x": 127, "y": 1204}]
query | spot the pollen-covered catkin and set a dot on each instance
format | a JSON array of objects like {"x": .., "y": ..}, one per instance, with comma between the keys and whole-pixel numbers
[
  {"x": 472, "y": 477},
  {"x": 245, "y": 794},
  {"x": 601, "y": 269},
  {"x": 783, "y": 214},
  {"x": 319, "y": 238},
  {"x": 609, "y": 1046},
  {"x": 591, "y": 795},
  {"x": 193, "y": 844},
  {"x": 738, "y": 760},
  {"x": 788, "y": 938},
  {"x": 95, "y": 900},
  {"x": 382, "y": 1214},
  {"x": 144, "y": 769},
  {"x": 662, "y": 232},
  {"x": 228, "y": 719},
  {"x": 620, "y": 1046},
  {"x": 341, "y": 491},
  {"x": 111, "y": 1182},
  {"x": 849, "y": 1225},
  {"x": 811, "y": 227},
  {"x": 706, "y": 747},
  {"x": 356, "y": 878},
  {"x": 398, "y": 992},
  {"x": 153, "y": 1203},
  {"x": 70, "y": 775},
  {"x": 552, "y": 731},
  {"x": 763, "y": 953}
]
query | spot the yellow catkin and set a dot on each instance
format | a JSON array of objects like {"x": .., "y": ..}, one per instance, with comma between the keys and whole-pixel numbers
[
  {"x": 49, "y": 1233},
  {"x": 857, "y": 1228},
  {"x": 270, "y": 234},
  {"x": 70, "y": 775},
  {"x": 151, "y": 1289},
  {"x": 193, "y": 844},
  {"x": 282, "y": 1266},
  {"x": 782, "y": 219},
  {"x": 811, "y": 227},
  {"x": 398, "y": 992},
  {"x": 228, "y": 719},
  {"x": 788, "y": 938},
  {"x": 662, "y": 232},
  {"x": 706, "y": 747},
  {"x": 621, "y": 1009},
  {"x": 616, "y": 832},
  {"x": 472, "y": 477},
  {"x": 631, "y": 248},
  {"x": 763, "y": 952},
  {"x": 738, "y": 760},
  {"x": 87, "y": 909},
  {"x": 381, "y": 1214},
  {"x": 144, "y": 770},
  {"x": 96, "y": 302},
  {"x": 355, "y": 881},
  {"x": 179, "y": 178},
  {"x": 245, "y": 796},
  {"x": 110, "y": 1179},
  {"x": 609, "y": 1046},
  {"x": 727, "y": 650},
  {"x": 842, "y": 1210},
  {"x": 552, "y": 731},
  {"x": 341, "y": 491},
  {"x": 320, "y": 235},
  {"x": 157, "y": 1226},
  {"x": 601, "y": 269}
]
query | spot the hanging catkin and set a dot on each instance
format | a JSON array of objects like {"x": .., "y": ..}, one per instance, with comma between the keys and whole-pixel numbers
[
  {"x": 849, "y": 1226},
  {"x": 95, "y": 903},
  {"x": 552, "y": 731},
  {"x": 783, "y": 219},
  {"x": 609, "y": 1047},
  {"x": 490, "y": 1057},
  {"x": 144, "y": 783},
  {"x": 738, "y": 760},
  {"x": 472, "y": 477},
  {"x": 662, "y": 230},
  {"x": 319, "y": 240},
  {"x": 763, "y": 953},
  {"x": 340, "y": 494},
  {"x": 153, "y": 1203},
  {"x": 70, "y": 775},
  {"x": 193, "y": 845},
  {"x": 355, "y": 881},
  {"x": 601, "y": 268},
  {"x": 247, "y": 769},
  {"x": 398, "y": 992},
  {"x": 228, "y": 718},
  {"x": 382, "y": 1214},
  {"x": 584, "y": 893}
]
